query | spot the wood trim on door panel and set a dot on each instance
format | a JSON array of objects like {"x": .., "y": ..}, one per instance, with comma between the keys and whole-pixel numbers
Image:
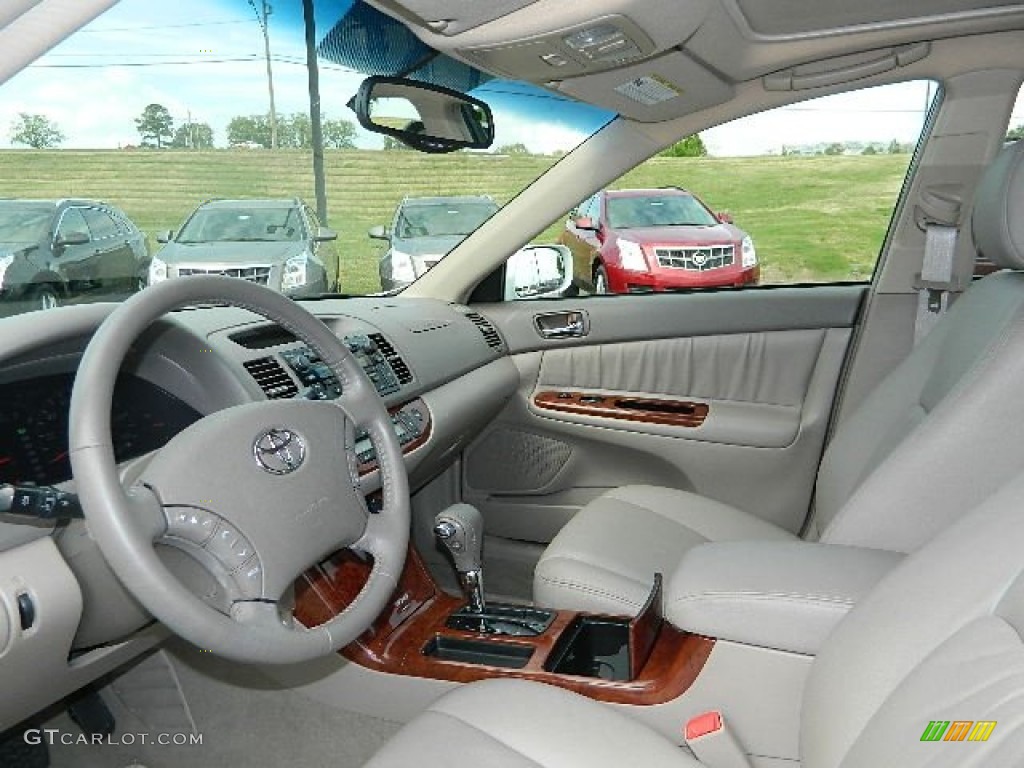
[{"x": 647, "y": 410}]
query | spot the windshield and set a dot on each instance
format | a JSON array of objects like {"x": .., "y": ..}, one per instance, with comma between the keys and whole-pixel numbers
[
  {"x": 193, "y": 118},
  {"x": 21, "y": 223},
  {"x": 442, "y": 219},
  {"x": 209, "y": 225},
  {"x": 657, "y": 211}
]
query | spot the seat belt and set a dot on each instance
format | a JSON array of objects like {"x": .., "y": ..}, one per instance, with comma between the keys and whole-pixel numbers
[{"x": 938, "y": 214}]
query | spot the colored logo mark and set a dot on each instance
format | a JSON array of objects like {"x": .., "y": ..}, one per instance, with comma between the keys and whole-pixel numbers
[{"x": 958, "y": 730}]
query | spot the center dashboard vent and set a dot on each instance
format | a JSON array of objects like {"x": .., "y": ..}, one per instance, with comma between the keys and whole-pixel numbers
[
  {"x": 398, "y": 365},
  {"x": 490, "y": 335},
  {"x": 272, "y": 378}
]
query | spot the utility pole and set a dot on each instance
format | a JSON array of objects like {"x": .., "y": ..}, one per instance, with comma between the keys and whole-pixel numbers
[
  {"x": 316, "y": 129},
  {"x": 264, "y": 17}
]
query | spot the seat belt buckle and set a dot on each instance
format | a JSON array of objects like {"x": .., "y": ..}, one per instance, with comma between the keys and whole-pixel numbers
[{"x": 712, "y": 743}]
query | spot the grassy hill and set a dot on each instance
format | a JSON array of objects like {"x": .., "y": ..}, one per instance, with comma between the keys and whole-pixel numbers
[{"x": 812, "y": 218}]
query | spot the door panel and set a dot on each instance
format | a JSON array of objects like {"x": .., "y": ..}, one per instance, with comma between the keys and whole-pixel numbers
[{"x": 768, "y": 392}]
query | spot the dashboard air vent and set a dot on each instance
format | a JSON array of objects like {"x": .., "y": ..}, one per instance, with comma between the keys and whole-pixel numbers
[
  {"x": 398, "y": 365},
  {"x": 272, "y": 378},
  {"x": 490, "y": 335}
]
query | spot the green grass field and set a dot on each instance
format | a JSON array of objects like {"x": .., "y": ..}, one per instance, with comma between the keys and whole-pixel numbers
[{"x": 811, "y": 218}]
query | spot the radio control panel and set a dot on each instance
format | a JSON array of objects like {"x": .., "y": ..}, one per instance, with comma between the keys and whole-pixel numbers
[{"x": 321, "y": 383}]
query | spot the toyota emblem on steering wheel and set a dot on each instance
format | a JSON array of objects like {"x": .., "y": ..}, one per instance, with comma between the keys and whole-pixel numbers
[{"x": 279, "y": 451}]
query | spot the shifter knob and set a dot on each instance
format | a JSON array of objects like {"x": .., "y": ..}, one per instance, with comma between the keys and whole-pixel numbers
[{"x": 460, "y": 528}]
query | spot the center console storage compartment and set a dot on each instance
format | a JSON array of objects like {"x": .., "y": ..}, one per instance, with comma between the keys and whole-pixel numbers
[
  {"x": 507, "y": 655},
  {"x": 593, "y": 646}
]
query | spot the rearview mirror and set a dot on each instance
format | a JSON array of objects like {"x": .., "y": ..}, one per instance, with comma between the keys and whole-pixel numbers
[
  {"x": 378, "y": 233},
  {"x": 165, "y": 236},
  {"x": 426, "y": 117},
  {"x": 538, "y": 272},
  {"x": 323, "y": 234}
]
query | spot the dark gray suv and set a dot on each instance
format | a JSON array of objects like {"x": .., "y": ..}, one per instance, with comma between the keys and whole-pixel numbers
[
  {"x": 274, "y": 242},
  {"x": 53, "y": 251},
  {"x": 422, "y": 232}
]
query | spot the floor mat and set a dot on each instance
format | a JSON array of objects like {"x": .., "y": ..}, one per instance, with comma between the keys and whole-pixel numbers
[{"x": 240, "y": 718}]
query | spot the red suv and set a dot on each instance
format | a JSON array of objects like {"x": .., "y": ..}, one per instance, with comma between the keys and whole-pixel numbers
[{"x": 642, "y": 240}]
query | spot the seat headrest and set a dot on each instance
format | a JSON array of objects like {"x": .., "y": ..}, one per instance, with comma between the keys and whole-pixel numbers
[{"x": 997, "y": 220}]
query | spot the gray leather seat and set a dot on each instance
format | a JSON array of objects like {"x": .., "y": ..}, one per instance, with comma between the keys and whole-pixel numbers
[
  {"x": 939, "y": 638},
  {"x": 925, "y": 445}
]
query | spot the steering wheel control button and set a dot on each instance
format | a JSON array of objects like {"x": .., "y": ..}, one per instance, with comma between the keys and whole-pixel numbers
[
  {"x": 250, "y": 578},
  {"x": 229, "y": 546},
  {"x": 279, "y": 451},
  {"x": 191, "y": 524}
]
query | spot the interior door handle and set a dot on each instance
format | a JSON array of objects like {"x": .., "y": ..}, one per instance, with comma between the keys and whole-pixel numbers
[{"x": 562, "y": 325}]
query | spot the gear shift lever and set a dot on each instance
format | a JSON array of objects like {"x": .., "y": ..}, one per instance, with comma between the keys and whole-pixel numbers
[{"x": 461, "y": 529}]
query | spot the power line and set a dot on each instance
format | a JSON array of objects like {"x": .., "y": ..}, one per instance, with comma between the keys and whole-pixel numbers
[
  {"x": 110, "y": 65},
  {"x": 224, "y": 22}
]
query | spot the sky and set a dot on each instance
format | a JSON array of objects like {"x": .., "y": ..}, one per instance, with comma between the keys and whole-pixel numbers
[{"x": 204, "y": 59}]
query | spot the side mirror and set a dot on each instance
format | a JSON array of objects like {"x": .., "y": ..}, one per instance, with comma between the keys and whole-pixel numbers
[
  {"x": 538, "y": 272},
  {"x": 426, "y": 117},
  {"x": 71, "y": 238},
  {"x": 585, "y": 223},
  {"x": 323, "y": 234},
  {"x": 379, "y": 233},
  {"x": 724, "y": 217},
  {"x": 165, "y": 236}
]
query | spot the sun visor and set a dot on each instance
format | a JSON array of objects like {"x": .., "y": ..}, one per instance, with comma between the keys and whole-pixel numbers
[
  {"x": 662, "y": 88},
  {"x": 373, "y": 43}
]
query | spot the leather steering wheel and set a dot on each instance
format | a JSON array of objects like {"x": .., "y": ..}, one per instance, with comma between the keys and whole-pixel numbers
[{"x": 257, "y": 493}]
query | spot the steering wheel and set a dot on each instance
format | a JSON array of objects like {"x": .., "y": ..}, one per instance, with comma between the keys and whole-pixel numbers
[{"x": 257, "y": 493}]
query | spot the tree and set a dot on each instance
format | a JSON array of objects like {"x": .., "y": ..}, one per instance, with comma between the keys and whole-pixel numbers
[
  {"x": 835, "y": 148},
  {"x": 249, "y": 129},
  {"x": 391, "y": 143},
  {"x": 193, "y": 136},
  {"x": 869, "y": 150},
  {"x": 1015, "y": 133},
  {"x": 36, "y": 131},
  {"x": 894, "y": 147},
  {"x": 691, "y": 146},
  {"x": 155, "y": 125},
  {"x": 512, "y": 149},
  {"x": 339, "y": 134}
]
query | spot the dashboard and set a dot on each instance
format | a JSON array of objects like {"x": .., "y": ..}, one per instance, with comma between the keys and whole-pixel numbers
[
  {"x": 441, "y": 370},
  {"x": 34, "y": 425}
]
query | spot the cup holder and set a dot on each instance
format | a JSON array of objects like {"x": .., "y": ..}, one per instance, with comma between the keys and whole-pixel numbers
[{"x": 592, "y": 647}]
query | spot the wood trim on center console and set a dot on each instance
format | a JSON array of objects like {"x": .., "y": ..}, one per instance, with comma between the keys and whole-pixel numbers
[
  {"x": 675, "y": 413},
  {"x": 417, "y": 615}
]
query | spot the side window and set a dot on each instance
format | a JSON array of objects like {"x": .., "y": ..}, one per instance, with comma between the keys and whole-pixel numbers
[
  {"x": 800, "y": 194},
  {"x": 100, "y": 224},
  {"x": 72, "y": 222}
]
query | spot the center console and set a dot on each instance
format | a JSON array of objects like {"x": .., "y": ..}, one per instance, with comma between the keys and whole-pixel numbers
[{"x": 638, "y": 660}]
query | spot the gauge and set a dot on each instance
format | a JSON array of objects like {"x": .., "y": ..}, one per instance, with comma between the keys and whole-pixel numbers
[{"x": 34, "y": 425}]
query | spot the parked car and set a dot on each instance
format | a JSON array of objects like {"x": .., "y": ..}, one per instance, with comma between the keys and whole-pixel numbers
[
  {"x": 53, "y": 250},
  {"x": 273, "y": 242},
  {"x": 422, "y": 232},
  {"x": 642, "y": 240}
]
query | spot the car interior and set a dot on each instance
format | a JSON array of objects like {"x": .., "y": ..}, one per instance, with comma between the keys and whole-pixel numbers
[{"x": 762, "y": 527}]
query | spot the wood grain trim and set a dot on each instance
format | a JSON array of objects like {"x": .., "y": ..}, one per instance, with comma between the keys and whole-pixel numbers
[
  {"x": 409, "y": 447},
  {"x": 395, "y": 642},
  {"x": 648, "y": 410},
  {"x": 644, "y": 629}
]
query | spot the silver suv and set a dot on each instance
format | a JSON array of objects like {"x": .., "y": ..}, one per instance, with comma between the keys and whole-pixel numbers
[{"x": 422, "y": 232}]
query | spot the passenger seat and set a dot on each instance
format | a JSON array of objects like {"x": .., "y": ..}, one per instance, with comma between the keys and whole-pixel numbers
[{"x": 937, "y": 436}]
